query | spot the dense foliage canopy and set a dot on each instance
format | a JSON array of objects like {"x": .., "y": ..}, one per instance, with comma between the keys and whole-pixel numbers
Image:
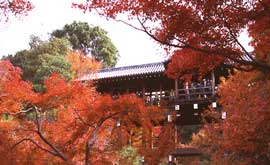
[
  {"x": 209, "y": 29},
  {"x": 92, "y": 41},
  {"x": 42, "y": 59},
  {"x": 69, "y": 122},
  {"x": 200, "y": 35}
]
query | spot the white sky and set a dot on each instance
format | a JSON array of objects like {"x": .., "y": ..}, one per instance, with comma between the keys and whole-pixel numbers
[{"x": 134, "y": 47}]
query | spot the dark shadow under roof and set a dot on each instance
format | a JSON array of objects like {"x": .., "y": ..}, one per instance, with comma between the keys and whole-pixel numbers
[{"x": 186, "y": 152}]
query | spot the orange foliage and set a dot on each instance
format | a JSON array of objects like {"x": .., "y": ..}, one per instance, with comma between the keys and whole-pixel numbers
[
  {"x": 186, "y": 62},
  {"x": 14, "y": 92},
  {"x": 243, "y": 136},
  {"x": 202, "y": 35},
  {"x": 210, "y": 28},
  {"x": 84, "y": 118},
  {"x": 165, "y": 145},
  {"x": 82, "y": 64}
]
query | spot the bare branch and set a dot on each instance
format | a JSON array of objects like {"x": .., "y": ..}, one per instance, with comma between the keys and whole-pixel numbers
[
  {"x": 81, "y": 119},
  {"x": 39, "y": 132},
  {"x": 126, "y": 23},
  {"x": 35, "y": 143},
  {"x": 237, "y": 41}
]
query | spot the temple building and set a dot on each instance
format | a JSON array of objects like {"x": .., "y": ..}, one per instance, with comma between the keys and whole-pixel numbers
[
  {"x": 182, "y": 101},
  {"x": 150, "y": 82}
]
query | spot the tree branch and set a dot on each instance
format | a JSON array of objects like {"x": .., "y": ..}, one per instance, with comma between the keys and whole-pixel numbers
[
  {"x": 236, "y": 40},
  {"x": 35, "y": 143},
  {"x": 228, "y": 55},
  {"x": 39, "y": 132},
  {"x": 81, "y": 119}
]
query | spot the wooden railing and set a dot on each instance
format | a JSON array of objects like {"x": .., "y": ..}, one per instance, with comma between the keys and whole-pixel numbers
[{"x": 184, "y": 95}]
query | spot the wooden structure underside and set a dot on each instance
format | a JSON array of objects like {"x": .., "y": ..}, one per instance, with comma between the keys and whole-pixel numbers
[{"x": 150, "y": 82}]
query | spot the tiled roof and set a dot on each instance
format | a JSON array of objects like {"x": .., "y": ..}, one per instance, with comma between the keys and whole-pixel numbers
[{"x": 126, "y": 71}]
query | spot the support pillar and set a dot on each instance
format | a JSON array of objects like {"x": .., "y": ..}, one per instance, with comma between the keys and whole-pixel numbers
[
  {"x": 160, "y": 93},
  {"x": 175, "y": 135},
  {"x": 160, "y": 89},
  {"x": 213, "y": 83},
  {"x": 171, "y": 158},
  {"x": 176, "y": 88},
  {"x": 143, "y": 91}
]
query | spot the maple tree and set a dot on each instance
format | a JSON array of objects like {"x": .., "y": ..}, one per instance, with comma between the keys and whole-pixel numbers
[
  {"x": 84, "y": 130},
  {"x": 200, "y": 35},
  {"x": 15, "y": 7},
  {"x": 246, "y": 129},
  {"x": 82, "y": 64},
  {"x": 193, "y": 30},
  {"x": 243, "y": 137}
]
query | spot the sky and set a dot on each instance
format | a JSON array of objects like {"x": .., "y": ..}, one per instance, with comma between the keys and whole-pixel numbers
[{"x": 134, "y": 47}]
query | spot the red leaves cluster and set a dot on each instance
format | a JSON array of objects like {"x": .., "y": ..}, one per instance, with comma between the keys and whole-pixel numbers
[
  {"x": 83, "y": 117},
  {"x": 244, "y": 135},
  {"x": 15, "y": 7},
  {"x": 14, "y": 92},
  {"x": 210, "y": 28},
  {"x": 82, "y": 64},
  {"x": 259, "y": 31},
  {"x": 186, "y": 62},
  {"x": 203, "y": 34}
]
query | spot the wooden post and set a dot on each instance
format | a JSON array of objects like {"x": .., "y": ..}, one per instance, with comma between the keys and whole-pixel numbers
[
  {"x": 176, "y": 88},
  {"x": 160, "y": 89},
  {"x": 171, "y": 158},
  {"x": 213, "y": 83},
  {"x": 143, "y": 91},
  {"x": 152, "y": 140},
  {"x": 118, "y": 124},
  {"x": 160, "y": 93},
  {"x": 175, "y": 136}
]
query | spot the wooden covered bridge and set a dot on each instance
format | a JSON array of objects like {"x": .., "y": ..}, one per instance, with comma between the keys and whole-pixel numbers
[{"x": 149, "y": 81}]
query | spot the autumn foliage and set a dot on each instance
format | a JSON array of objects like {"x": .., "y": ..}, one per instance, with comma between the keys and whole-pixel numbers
[
  {"x": 243, "y": 137},
  {"x": 69, "y": 122},
  {"x": 199, "y": 36},
  {"x": 185, "y": 63},
  {"x": 15, "y": 7},
  {"x": 209, "y": 28},
  {"x": 246, "y": 130},
  {"x": 82, "y": 64}
]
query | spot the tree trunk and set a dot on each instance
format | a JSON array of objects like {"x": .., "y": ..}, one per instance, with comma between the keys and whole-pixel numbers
[{"x": 87, "y": 154}]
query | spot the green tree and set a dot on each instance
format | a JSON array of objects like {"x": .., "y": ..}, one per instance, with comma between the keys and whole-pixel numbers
[
  {"x": 43, "y": 58},
  {"x": 129, "y": 155},
  {"x": 91, "y": 40},
  {"x": 50, "y": 64},
  {"x": 35, "y": 41}
]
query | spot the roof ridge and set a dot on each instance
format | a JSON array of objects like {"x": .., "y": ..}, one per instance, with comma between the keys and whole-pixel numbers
[{"x": 129, "y": 67}]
